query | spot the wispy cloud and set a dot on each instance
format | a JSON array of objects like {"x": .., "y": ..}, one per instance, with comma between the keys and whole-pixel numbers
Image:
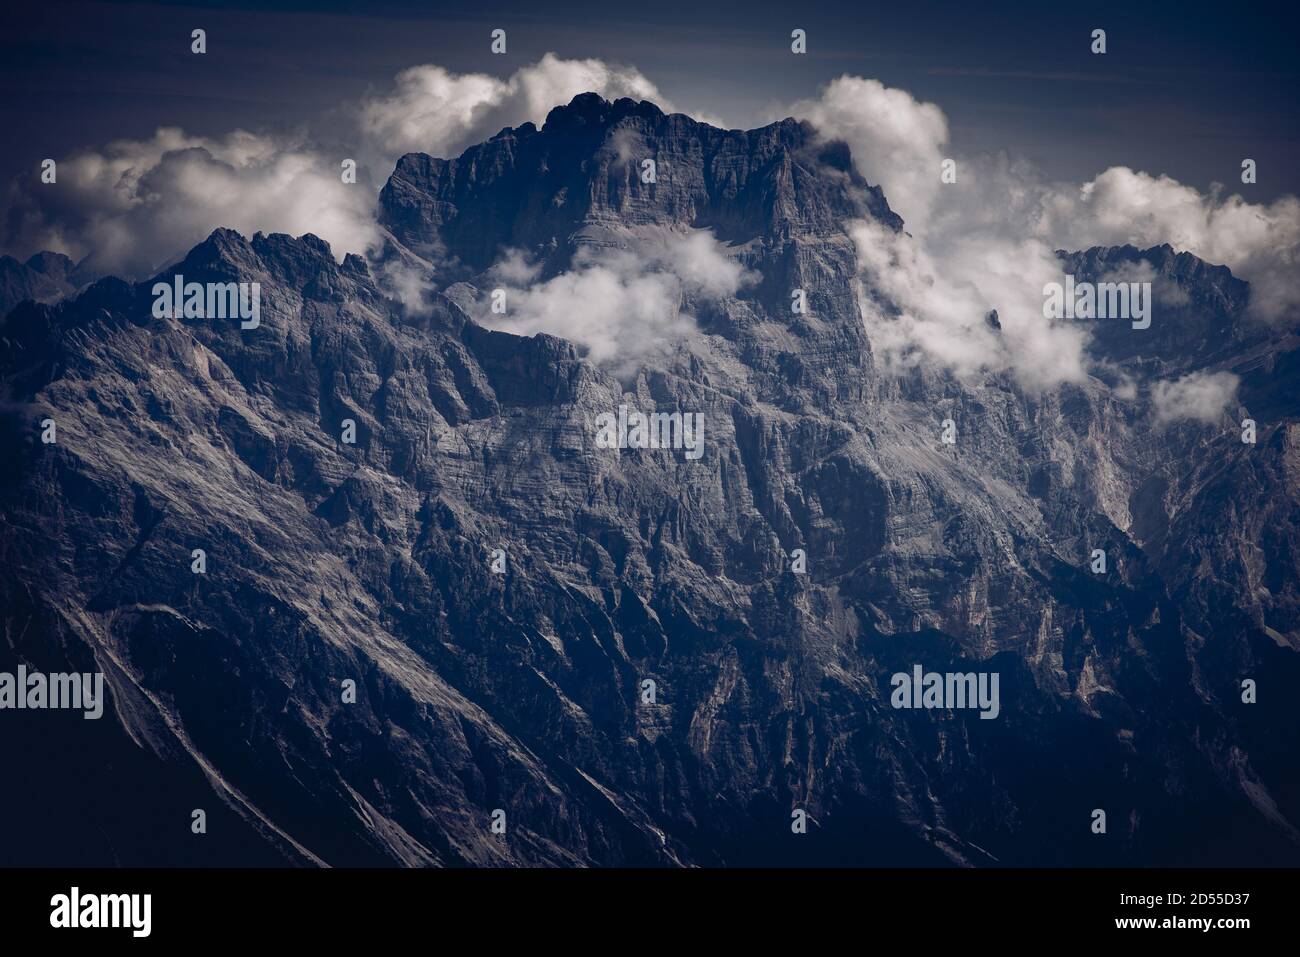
[
  {"x": 623, "y": 305},
  {"x": 1199, "y": 397}
]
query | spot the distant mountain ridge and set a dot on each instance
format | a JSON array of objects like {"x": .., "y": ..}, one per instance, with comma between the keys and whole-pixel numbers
[{"x": 44, "y": 277}]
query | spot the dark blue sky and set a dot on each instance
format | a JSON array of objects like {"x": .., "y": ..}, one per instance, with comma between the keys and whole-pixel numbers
[{"x": 1185, "y": 89}]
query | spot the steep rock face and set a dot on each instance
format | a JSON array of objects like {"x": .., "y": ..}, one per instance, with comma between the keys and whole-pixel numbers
[
  {"x": 522, "y": 691},
  {"x": 552, "y": 189},
  {"x": 778, "y": 196}
]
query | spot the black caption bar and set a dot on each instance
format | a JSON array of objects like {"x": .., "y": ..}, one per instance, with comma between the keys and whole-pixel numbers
[{"x": 141, "y": 907}]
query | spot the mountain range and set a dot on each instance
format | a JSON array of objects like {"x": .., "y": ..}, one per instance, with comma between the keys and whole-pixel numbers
[{"x": 500, "y": 588}]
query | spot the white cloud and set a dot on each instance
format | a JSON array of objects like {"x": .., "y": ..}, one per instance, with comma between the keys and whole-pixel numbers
[
  {"x": 966, "y": 251},
  {"x": 432, "y": 110},
  {"x": 897, "y": 141},
  {"x": 1199, "y": 396},
  {"x": 622, "y": 305},
  {"x": 514, "y": 269},
  {"x": 936, "y": 309},
  {"x": 137, "y": 205},
  {"x": 988, "y": 240},
  {"x": 140, "y": 204},
  {"x": 407, "y": 281},
  {"x": 696, "y": 258},
  {"x": 1259, "y": 243}
]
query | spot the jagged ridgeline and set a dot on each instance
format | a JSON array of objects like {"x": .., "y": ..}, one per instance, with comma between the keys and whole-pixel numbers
[{"x": 365, "y": 588}]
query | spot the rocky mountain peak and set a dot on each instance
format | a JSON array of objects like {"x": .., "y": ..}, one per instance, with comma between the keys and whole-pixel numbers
[
  {"x": 588, "y": 111},
  {"x": 55, "y": 265},
  {"x": 1199, "y": 310},
  {"x": 597, "y": 166}
]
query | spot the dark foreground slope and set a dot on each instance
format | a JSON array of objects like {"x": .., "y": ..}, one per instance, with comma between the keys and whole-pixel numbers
[{"x": 371, "y": 562}]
